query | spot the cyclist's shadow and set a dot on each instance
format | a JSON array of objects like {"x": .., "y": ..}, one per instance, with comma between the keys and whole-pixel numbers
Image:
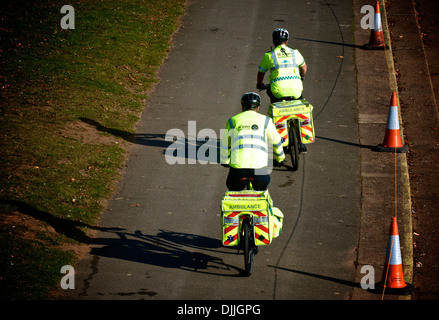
[{"x": 167, "y": 249}]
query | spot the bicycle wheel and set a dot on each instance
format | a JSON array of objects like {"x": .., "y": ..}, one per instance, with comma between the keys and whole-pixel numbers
[
  {"x": 293, "y": 145},
  {"x": 248, "y": 247}
]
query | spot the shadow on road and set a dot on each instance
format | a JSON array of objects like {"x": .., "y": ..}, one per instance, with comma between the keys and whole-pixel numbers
[
  {"x": 334, "y": 43},
  {"x": 168, "y": 249},
  {"x": 319, "y": 276},
  {"x": 347, "y": 143},
  {"x": 178, "y": 147}
]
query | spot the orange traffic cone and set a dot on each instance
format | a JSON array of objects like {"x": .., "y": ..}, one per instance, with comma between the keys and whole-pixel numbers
[
  {"x": 376, "y": 40},
  {"x": 393, "y": 276},
  {"x": 392, "y": 138}
]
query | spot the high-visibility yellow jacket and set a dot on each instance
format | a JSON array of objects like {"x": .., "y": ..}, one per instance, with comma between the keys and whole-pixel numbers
[
  {"x": 245, "y": 143},
  {"x": 283, "y": 63}
]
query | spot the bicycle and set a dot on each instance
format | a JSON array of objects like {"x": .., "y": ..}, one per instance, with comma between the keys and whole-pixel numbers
[
  {"x": 294, "y": 122},
  {"x": 247, "y": 231},
  {"x": 249, "y": 220}
]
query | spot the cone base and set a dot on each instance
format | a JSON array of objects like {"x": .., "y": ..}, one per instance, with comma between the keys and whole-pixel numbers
[
  {"x": 381, "y": 148},
  {"x": 379, "y": 288},
  {"x": 375, "y": 47}
]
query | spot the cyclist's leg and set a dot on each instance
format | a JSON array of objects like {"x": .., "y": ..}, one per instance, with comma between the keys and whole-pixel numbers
[
  {"x": 261, "y": 180},
  {"x": 234, "y": 180},
  {"x": 273, "y": 99}
]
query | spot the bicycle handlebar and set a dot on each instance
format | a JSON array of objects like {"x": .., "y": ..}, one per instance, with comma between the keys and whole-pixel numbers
[{"x": 263, "y": 87}]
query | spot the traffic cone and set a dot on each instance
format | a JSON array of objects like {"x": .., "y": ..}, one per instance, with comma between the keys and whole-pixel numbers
[
  {"x": 392, "y": 138},
  {"x": 376, "y": 40},
  {"x": 393, "y": 276}
]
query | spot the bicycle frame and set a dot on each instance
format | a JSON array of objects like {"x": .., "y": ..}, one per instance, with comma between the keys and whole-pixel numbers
[
  {"x": 248, "y": 220},
  {"x": 247, "y": 225}
]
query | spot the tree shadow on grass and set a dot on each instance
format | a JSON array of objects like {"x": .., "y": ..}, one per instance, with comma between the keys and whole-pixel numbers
[{"x": 176, "y": 147}]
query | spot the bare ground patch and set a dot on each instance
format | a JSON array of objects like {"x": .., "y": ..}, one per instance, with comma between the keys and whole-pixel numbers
[{"x": 86, "y": 133}]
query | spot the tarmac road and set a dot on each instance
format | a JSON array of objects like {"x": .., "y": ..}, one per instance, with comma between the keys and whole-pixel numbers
[{"x": 159, "y": 237}]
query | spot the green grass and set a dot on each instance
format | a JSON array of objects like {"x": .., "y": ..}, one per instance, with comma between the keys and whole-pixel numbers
[{"x": 99, "y": 75}]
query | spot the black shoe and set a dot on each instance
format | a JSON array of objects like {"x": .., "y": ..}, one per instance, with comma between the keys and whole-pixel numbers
[{"x": 302, "y": 149}]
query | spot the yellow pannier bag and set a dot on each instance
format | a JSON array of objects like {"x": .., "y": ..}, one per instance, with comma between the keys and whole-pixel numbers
[
  {"x": 282, "y": 111},
  {"x": 278, "y": 218},
  {"x": 257, "y": 203}
]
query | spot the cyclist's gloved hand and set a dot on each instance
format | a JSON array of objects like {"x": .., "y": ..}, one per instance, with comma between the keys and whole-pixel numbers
[{"x": 260, "y": 86}]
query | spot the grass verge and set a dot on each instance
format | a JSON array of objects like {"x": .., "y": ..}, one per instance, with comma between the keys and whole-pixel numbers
[{"x": 70, "y": 100}]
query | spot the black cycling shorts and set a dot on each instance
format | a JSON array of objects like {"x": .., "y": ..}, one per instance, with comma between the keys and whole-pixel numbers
[{"x": 260, "y": 182}]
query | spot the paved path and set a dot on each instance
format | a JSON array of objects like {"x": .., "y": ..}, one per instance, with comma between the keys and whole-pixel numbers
[{"x": 159, "y": 236}]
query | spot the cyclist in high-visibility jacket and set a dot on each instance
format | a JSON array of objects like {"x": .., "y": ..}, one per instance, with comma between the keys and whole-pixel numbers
[
  {"x": 245, "y": 146},
  {"x": 287, "y": 69}
]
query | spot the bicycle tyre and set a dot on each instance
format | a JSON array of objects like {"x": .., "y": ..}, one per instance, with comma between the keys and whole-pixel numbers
[
  {"x": 293, "y": 145},
  {"x": 248, "y": 247}
]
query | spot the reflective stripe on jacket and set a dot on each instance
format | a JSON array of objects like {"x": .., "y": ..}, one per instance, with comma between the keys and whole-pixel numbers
[{"x": 245, "y": 144}]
